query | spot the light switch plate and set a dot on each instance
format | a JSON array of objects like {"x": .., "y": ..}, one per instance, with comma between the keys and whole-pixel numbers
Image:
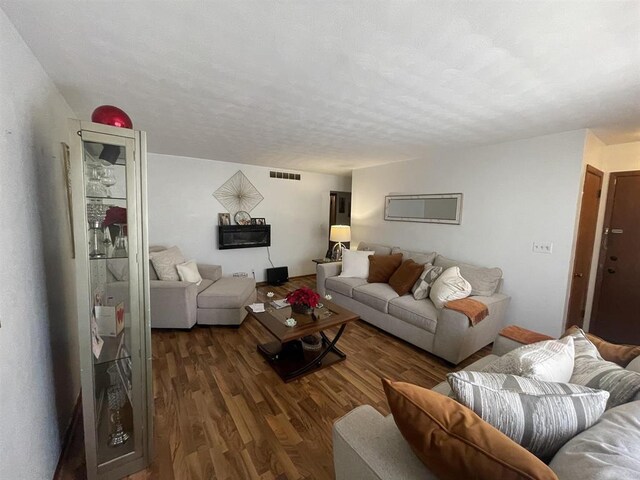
[{"x": 543, "y": 247}]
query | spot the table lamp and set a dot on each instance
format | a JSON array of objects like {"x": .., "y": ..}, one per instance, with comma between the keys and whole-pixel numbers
[{"x": 339, "y": 234}]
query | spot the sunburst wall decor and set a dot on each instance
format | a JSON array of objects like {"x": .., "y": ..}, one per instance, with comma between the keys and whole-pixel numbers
[{"x": 238, "y": 193}]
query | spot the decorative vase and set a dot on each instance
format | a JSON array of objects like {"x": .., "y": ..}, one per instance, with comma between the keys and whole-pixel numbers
[{"x": 301, "y": 308}]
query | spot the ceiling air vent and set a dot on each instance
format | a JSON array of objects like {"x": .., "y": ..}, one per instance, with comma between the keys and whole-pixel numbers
[{"x": 285, "y": 175}]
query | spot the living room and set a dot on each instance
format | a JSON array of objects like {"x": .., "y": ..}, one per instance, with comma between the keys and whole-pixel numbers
[{"x": 507, "y": 104}]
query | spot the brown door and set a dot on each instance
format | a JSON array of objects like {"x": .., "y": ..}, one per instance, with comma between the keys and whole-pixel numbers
[
  {"x": 584, "y": 245},
  {"x": 617, "y": 297}
]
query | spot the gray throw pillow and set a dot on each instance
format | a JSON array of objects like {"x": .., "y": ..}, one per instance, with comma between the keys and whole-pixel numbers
[
  {"x": 540, "y": 416},
  {"x": 484, "y": 281},
  {"x": 165, "y": 262},
  {"x": 422, "y": 286},
  {"x": 592, "y": 371}
]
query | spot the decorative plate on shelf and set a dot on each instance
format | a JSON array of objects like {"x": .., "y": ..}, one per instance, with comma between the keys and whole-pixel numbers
[{"x": 242, "y": 218}]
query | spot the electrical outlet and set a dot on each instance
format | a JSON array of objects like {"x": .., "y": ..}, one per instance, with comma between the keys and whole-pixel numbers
[
  {"x": 543, "y": 247},
  {"x": 253, "y": 272},
  {"x": 241, "y": 274}
]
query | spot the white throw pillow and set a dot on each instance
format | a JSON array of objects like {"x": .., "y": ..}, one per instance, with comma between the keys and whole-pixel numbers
[
  {"x": 188, "y": 272},
  {"x": 548, "y": 361},
  {"x": 449, "y": 286},
  {"x": 355, "y": 263},
  {"x": 164, "y": 263}
]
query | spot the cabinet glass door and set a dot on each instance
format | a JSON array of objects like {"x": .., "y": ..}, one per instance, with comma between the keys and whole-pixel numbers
[{"x": 114, "y": 315}]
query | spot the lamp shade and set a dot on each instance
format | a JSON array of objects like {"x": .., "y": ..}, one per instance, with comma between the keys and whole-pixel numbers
[{"x": 340, "y": 233}]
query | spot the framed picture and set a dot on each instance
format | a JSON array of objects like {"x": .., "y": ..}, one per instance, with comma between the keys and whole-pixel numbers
[
  {"x": 224, "y": 219},
  {"x": 258, "y": 221}
]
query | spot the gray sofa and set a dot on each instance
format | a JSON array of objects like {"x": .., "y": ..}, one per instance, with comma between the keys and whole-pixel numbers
[
  {"x": 217, "y": 300},
  {"x": 369, "y": 446},
  {"x": 445, "y": 333}
]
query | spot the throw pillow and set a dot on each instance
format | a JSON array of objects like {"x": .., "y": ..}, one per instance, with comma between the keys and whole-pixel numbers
[
  {"x": 612, "y": 352},
  {"x": 592, "y": 371},
  {"x": 119, "y": 268},
  {"x": 449, "y": 286},
  {"x": 405, "y": 276},
  {"x": 188, "y": 272},
  {"x": 540, "y": 416},
  {"x": 548, "y": 361},
  {"x": 381, "y": 267},
  {"x": 422, "y": 287},
  {"x": 484, "y": 281},
  {"x": 355, "y": 263},
  {"x": 453, "y": 442},
  {"x": 165, "y": 262}
]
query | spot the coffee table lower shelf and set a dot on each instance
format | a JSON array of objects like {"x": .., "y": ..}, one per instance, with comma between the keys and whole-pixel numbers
[{"x": 291, "y": 361}]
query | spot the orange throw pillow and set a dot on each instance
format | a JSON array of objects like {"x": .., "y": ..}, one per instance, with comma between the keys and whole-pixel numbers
[
  {"x": 405, "y": 276},
  {"x": 611, "y": 352},
  {"x": 381, "y": 267},
  {"x": 456, "y": 443}
]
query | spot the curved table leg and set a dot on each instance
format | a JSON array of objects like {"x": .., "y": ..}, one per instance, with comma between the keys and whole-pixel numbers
[{"x": 317, "y": 360}]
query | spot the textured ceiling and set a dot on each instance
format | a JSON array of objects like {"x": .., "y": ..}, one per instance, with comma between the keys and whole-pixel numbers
[{"x": 336, "y": 85}]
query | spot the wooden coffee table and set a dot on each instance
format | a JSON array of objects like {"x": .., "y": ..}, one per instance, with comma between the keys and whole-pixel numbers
[{"x": 286, "y": 355}]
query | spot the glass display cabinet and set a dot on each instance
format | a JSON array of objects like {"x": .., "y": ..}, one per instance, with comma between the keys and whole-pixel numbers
[{"x": 109, "y": 198}]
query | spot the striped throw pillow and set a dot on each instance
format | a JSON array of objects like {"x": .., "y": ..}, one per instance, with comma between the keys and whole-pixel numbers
[
  {"x": 422, "y": 286},
  {"x": 592, "y": 371},
  {"x": 540, "y": 416}
]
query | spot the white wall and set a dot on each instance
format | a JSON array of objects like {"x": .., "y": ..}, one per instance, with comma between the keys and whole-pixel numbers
[
  {"x": 184, "y": 212},
  {"x": 515, "y": 193},
  {"x": 39, "y": 369},
  {"x": 608, "y": 158}
]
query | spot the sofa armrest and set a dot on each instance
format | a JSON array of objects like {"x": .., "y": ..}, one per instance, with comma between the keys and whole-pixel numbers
[
  {"x": 210, "y": 272},
  {"x": 456, "y": 339},
  {"x": 513, "y": 336},
  {"x": 324, "y": 271},
  {"x": 367, "y": 445},
  {"x": 173, "y": 304}
]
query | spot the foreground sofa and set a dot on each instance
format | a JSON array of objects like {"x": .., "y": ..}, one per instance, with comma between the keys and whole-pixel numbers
[
  {"x": 369, "y": 446},
  {"x": 445, "y": 333}
]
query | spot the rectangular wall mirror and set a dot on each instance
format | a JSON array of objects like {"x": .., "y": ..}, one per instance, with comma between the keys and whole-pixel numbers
[{"x": 437, "y": 208}]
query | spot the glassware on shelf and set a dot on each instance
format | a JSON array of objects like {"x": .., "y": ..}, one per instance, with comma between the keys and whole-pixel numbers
[
  {"x": 95, "y": 188},
  {"x": 120, "y": 245},
  {"x": 96, "y": 240},
  {"x": 116, "y": 400}
]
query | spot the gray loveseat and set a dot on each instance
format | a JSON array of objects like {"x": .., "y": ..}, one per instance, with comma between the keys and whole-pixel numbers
[
  {"x": 369, "y": 446},
  {"x": 445, "y": 333}
]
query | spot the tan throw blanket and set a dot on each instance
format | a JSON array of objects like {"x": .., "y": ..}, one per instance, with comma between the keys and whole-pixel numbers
[
  {"x": 473, "y": 309},
  {"x": 522, "y": 335}
]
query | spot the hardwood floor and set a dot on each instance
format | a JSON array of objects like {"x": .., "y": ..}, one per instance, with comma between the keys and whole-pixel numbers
[{"x": 221, "y": 412}]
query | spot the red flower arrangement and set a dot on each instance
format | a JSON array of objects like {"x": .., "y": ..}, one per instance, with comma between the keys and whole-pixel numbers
[
  {"x": 303, "y": 296},
  {"x": 115, "y": 215}
]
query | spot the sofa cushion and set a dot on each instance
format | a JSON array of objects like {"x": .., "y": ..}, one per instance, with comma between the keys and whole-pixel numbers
[
  {"x": 540, "y": 416},
  {"x": 422, "y": 287},
  {"x": 228, "y": 292},
  {"x": 592, "y": 371},
  {"x": 165, "y": 261},
  {"x": 549, "y": 361},
  {"x": 376, "y": 248},
  {"x": 375, "y": 295},
  {"x": 344, "y": 285},
  {"x": 405, "y": 276},
  {"x": 484, "y": 281},
  {"x": 609, "y": 450},
  {"x": 450, "y": 285},
  {"x": 381, "y": 267},
  {"x": 453, "y": 442},
  {"x": 418, "y": 257},
  {"x": 355, "y": 264},
  {"x": 419, "y": 313}
]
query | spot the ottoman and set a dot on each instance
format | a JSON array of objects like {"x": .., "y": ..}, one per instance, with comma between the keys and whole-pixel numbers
[{"x": 223, "y": 302}]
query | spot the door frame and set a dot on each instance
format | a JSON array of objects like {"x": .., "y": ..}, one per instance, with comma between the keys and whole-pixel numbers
[
  {"x": 600, "y": 174},
  {"x": 608, "y": 212}
]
